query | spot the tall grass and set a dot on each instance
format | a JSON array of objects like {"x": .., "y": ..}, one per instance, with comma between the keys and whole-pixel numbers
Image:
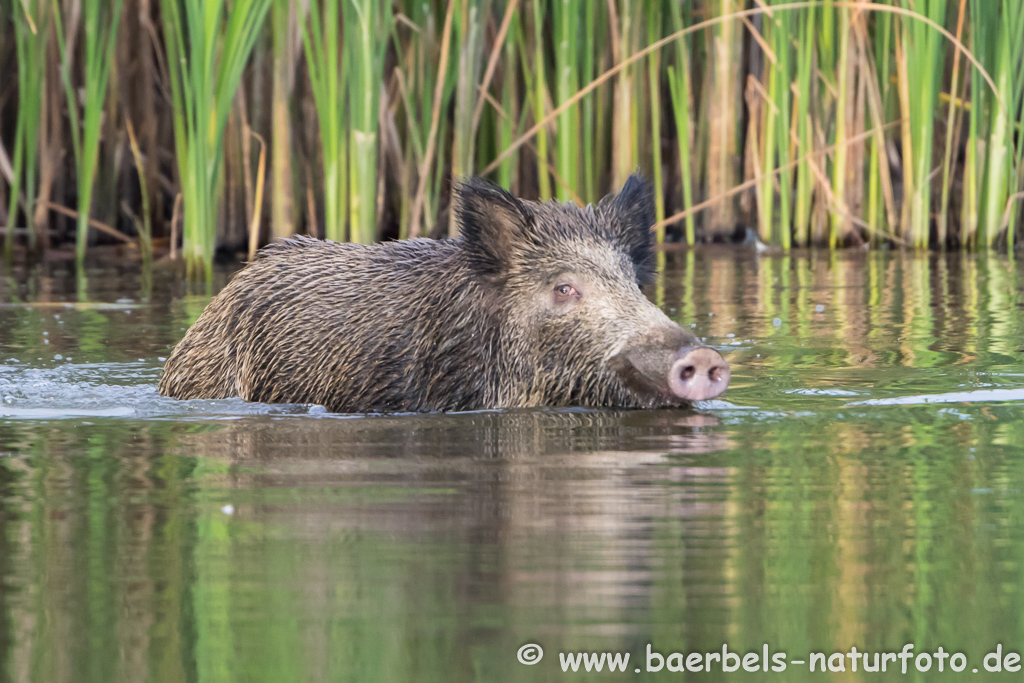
[
  {"x": 824, "y": 123},
  {"x": 468, "y": 36},
  {"x": 999, "y": 45},
  {"x": 567, "y": 16},
  {"x": 328, "y": 73},
  {"x": 99, "y": 21},
  {"x": 366, "y": 25},
  {"x": 919, "y": 54},
  {"x": 31, "y": 32},
  {"x": 207, "y": 48}
]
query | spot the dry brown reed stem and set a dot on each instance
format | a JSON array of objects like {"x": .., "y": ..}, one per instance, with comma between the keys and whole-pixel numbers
[
  {"x": 754, "y": 96},
  {"x": 49, "y": 155},
  {"x": 707, "y": 203},
  {"x": 759, "y": 39},
  {"x": 875, "y": 108},
  {"x": 1009, "y": 205},
  {"x": 283, "y": 61},
  {"x": 756, "y": 85},
  {"x": 257, "y": 208},
  {"x": 559, "y": 180},
  {"x": 403, "y": 91},
  {"x": 175, "y": 217},
  {"x": 382, "y": 156},
  {"x": 313, "y": 230},
  {"x": 402, "y": 18},
  {"x": 143, "y": 227},
  {"x": 903, "y": 90},
  {"x": 102, "y": 227},
  {"x": 838, "y": 205},
  {"x": 707, "y": 23},
  {"x": 28, "y": 18},
  {"x": 613, "y": 27},
  {"x": 492, "y": 62},
  {"x": 7, "y": 170},
  {"x": 5, "y": 164},
  {"x": 246, "y": 139},
  {"x": 435, "y": 116}
]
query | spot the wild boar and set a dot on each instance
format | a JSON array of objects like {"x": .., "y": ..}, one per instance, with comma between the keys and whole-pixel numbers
[{"x": 535, "y": 304}]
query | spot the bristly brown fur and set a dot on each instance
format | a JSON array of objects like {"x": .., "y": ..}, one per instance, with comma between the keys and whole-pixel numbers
[{"x": 425, "y": 325}]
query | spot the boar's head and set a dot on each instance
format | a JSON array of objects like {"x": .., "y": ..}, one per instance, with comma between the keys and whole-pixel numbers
[{"x": 564, "y": 282}]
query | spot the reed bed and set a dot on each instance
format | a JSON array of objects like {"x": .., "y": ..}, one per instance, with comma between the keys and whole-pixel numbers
[{"x": 826, "y": 123}]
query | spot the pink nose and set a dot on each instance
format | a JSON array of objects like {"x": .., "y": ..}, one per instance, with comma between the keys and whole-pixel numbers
[{"x": 698, "y": 374}]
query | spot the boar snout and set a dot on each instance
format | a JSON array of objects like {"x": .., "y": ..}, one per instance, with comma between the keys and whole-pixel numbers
[
  {"x": 698, "y": 374},
  {"x": 692, "y": 373}
]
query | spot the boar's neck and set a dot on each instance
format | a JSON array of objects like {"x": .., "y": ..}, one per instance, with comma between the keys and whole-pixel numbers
[
  {"x": 467, "y": 352},
  {"x": 421, "y": 333}
]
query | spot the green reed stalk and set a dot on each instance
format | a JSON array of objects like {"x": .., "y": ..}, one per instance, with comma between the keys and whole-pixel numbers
[
  {"x": 539, "y": 97},
  {"x": 566, "y": 17},
  {"x": 984, "y": 29},
  {"x": 947, "y": 153},
  {"x": 782, "y": 95},
  {"x": 680, "y": 108},
  {"x": 207, "y": 48},
  {"x": 826, "y": 38},
  {"x": 631, "y": 22},
  {"x": 469, "y": 25},
  {"x": 680, "y": 92},
  {"x": 653, "y": 11},
  {"x": 31, "y": 30},
  {"x": 874, "y": 210},
  {"x": 509, "y": 102},
  {"x": 621, "y": 147},
  {"x": 999, "y": 156},
  {"x": 839, "y": 222},
  {"x": 328, "y": 73},
  {"x": 366, "y": 27},
  {"x": 603, "y": 99},
  {"x": 425, "y": 80},
  {"x": 99, "y": 26},
  {"x": 879, "y": 189},
  {"x": 593, "y": 33},
  {"x": 1015, "y": 24},
  {"x": 924, "y": 68},
  {"x": 804, "y": 176},
  {"x": 766, "y": 191}
]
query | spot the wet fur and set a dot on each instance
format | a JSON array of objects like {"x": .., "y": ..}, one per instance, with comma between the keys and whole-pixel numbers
[{"x": 427, "y": 325}]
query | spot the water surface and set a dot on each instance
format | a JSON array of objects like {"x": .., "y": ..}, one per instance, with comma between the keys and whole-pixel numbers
[{"x": 861, "y": 483}]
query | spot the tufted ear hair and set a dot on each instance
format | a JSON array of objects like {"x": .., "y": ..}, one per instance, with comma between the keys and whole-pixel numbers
[
  {"x": 628, "y": 217},
  {"x": 492, "y": 222}
]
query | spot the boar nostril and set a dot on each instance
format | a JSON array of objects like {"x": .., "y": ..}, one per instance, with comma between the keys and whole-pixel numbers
[{"x": 698, "y": 374}]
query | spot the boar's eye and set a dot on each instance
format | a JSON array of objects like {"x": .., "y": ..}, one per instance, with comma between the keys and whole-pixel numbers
[{"x": 564, "y": 293}]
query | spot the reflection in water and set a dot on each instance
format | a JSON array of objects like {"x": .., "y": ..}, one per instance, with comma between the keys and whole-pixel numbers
[{"x": 859, "y": 484}]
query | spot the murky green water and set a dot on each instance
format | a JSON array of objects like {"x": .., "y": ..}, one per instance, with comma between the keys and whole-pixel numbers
[{"x": 862, "y": 484}]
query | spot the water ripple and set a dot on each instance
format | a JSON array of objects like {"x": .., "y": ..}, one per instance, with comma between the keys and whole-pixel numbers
[{"x": 118, "y": 390}]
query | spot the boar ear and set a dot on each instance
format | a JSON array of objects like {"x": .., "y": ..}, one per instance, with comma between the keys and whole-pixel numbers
[
  {"x": 630, "y": 215},
  {"x": 492, "y": 222}
]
